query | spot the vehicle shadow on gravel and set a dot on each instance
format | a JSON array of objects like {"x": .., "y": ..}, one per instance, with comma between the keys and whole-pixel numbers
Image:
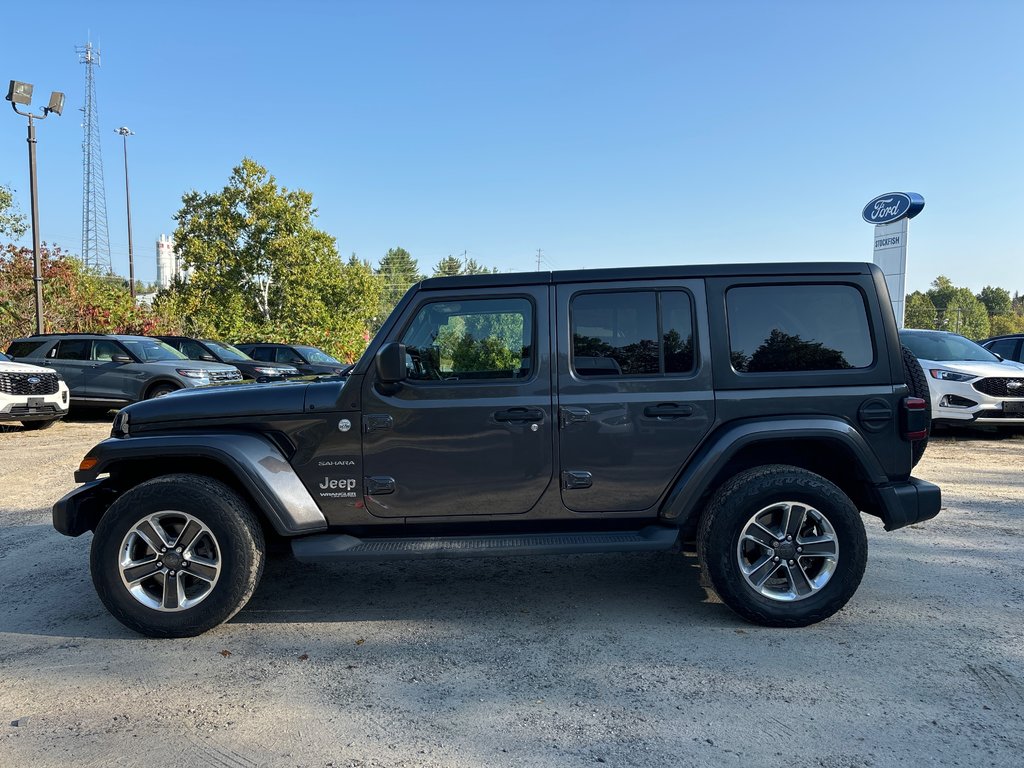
[{"x": 635, "y": 588}]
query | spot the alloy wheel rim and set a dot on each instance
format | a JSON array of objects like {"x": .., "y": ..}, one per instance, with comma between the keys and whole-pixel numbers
[
  {"x": 788, "y": 551},
  {"x": 169, "y": 561}
]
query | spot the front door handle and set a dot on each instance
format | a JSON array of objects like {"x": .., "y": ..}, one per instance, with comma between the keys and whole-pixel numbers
[
  {"x": 668, "y": 411},
  {"x": 519, "y": 414}
]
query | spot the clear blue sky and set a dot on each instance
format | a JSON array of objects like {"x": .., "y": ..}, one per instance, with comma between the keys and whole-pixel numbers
[{"x": 604, "y": 133}]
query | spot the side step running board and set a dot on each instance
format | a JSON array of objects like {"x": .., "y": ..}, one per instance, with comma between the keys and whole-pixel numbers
[{"x": 326, "y": 546}]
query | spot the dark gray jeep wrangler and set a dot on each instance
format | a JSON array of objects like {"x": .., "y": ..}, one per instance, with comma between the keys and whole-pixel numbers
[{"x": 757, "y": 408}]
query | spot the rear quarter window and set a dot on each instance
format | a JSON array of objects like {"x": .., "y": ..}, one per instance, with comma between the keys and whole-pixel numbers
[
  {"x": 23, "y": 348},
  {"x": 775, "y": 328}
]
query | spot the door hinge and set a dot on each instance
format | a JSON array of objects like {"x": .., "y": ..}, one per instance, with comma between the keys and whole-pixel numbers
[
  {"x": 378, "y": 486},
  {"x": 574, "y": 479},
  {"x": 374, "y": 421},
  {"x": 567, "y": 416}
]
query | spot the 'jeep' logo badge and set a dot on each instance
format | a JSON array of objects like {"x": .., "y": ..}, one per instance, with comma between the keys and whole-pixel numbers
[
  {"x": 893, "y": 207},
  {"x": 34, "y": 379}
]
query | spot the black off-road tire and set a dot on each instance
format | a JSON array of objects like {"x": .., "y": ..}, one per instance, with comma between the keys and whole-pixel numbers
[
  {"x": 230, "y": 521},
  {"x": 918, "y": 384},
  {"x": 727, "y": 516}
]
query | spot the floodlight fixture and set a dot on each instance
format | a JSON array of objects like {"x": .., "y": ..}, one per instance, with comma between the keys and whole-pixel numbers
[
  {"x": 56, "y": 104},
  {"x": 19, "y": 93}
]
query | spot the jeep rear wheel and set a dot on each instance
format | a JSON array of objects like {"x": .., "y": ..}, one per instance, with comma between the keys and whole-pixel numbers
[
  {"x": 917, "y": 383},
  {"x": 782, "y": 546},
  {"x": 176, "y": 556}
]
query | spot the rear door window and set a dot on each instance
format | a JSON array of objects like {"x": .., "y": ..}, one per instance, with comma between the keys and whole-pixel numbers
[
  {"x": 263, "y": 354},
  {"x": 73, "y": 349},
  {"x": 632, "y": 333},
  {"x": 1004, "y": 348}
]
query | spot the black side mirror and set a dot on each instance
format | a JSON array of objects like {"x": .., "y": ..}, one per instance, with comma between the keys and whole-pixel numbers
[
  {"x": 121, "y": 358},
  {"x": 391, "y": 363},
  {"x": 207, "y": 357}
]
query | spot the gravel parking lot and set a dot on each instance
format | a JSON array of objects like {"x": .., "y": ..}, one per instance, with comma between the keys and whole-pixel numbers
[{"x": 622, "y": 659}]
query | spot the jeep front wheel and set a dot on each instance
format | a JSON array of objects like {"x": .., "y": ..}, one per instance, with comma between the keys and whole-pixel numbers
[
  {"x": 176, "y": 556},
  {"x": 782, "y": 546}
]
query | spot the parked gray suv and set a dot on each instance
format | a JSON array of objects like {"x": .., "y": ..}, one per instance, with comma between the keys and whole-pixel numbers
[{"x": 113, "y": 371}]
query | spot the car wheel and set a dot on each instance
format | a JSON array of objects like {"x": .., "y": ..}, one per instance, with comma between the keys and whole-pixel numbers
[
  {"x": 782, "y": 546},
  {"x": 176, "y": 556},
  {"x": 160, "y": 390},
  {"x": 918, "y": 385},
  {"x": 30, "y": 425}
]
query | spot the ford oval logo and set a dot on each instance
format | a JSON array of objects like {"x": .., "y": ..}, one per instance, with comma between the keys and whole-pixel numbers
[
  {"x": 893, "y": 207},
  {"x": 34, "y": 380}
]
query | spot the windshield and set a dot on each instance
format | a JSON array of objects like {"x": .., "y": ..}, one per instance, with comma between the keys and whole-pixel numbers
[
  {"x": 946, "y": 347},
  {"x": 228, "y": 352},
  {"x": 148, "y": 350},
  {"x": 314, "y": 355}
]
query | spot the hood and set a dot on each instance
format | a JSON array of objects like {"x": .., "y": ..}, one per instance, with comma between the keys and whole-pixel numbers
[
  {"x": 982, "y": 369},
  {"x": 220, "y": 402},
  {"x": 6, "y": 367},
  {"x": 190, "y": 364}
]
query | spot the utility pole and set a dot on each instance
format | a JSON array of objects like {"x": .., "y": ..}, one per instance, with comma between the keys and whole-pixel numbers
[
  {"x": 125, "y": 133},
  {"x": 538, "y": 259}
]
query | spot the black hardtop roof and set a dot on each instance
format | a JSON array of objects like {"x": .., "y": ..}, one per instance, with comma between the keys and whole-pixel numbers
[{"x": 777, "y": 269}]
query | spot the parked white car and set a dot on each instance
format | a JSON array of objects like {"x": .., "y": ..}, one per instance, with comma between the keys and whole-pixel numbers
[
  {"x": 34, "y": 395},
  {"x": 31, "y": 394},
  {"x": 968, "y": 384}
]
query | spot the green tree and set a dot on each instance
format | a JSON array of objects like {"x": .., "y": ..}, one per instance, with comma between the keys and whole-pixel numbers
[
  {"x": 12, "y": 221},
  {"x": 449, "y": 266},
  {"x": 997, "y": 301},
  {"x": 399, "y": 271},
  {"x": 940, "y": 294},
  {"x": 920, "y": 311},
  {"x": 471, "y": 267},
  {"x": 966, "y": 315},
  {"x": 259, "y": 268},
  {"x": 1003, "y": 324}
]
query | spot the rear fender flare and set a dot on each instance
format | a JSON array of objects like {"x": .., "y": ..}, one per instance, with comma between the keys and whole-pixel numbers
[{"x": 683, "y": 501}]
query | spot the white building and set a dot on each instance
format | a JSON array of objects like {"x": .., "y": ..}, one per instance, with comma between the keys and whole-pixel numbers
[{"x": 168, "y": 265}]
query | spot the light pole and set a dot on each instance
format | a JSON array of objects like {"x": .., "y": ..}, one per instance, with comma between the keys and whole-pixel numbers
[
  {"x": 21, "y": 93},
  {"x": 125, "y": 133}
]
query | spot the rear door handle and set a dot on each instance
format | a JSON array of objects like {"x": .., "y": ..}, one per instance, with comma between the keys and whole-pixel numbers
[
  {"x": 668, "y": 411},
  {"x": 519, "y": 414}
]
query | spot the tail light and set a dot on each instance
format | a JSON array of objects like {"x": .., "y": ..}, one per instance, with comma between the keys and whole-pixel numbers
[{"x": 915, "y": 418}]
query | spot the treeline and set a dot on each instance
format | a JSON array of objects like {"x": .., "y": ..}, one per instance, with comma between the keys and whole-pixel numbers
[
  {"x": 947, "y": 307},
  {"x": 257, "y": 269}
]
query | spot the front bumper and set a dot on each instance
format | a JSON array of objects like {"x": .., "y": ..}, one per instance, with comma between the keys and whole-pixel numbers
[
  {"x": 909, "y": 502},
  {"x": 959, "y": 403},
  {"x": 34, "y": 407},
  {"x": 80, "y": 510}
]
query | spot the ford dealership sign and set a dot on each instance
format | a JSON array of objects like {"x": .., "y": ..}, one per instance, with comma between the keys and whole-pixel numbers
[{"x": 893, "y": 207}]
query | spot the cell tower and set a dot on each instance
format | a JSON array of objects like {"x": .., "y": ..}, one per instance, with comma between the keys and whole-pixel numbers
[{"x": 95, "y": 239}]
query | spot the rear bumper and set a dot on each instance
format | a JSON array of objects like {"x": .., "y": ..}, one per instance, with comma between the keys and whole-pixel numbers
[{"x": 909, "y": 502}]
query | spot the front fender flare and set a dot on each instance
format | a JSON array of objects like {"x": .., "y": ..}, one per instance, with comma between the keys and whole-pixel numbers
[
  {"x": 685, "y": 496},
  {"x": 253, "y": 461}
]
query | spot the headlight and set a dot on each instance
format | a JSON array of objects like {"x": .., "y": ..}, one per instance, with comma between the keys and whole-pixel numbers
[
  {"x": 274, "y": 371},
  {"x": 194, "y": 373},
  {"x": 941, "y": 375},
  {"x": 120, "y": 428}
]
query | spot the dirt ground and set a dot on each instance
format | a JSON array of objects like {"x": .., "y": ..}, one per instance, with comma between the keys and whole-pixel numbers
[{"x": 562, "y": 661}]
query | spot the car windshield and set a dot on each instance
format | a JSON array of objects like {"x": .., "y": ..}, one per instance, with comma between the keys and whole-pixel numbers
[
  {"x": 228, "y": 352},
  {"x": 314, "y": 355},
  {"x": 946, "y": 347},
  {"x": 148, "y": 350}
]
